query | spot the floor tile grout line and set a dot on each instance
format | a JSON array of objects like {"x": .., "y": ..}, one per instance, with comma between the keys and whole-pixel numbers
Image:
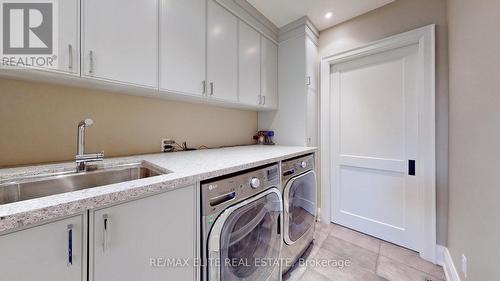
[
  {"x": 351, "y": 244},
  {"x": 380, "y": 248},
  {"x": 360, "y": 233},
  {"x": 414, "y": 268},
  {"x": 355, "y": 244},
  {"x": 327, "y": 234},
  {"x": 411, "y": 266},
  {"x": 376, "y": 263}
]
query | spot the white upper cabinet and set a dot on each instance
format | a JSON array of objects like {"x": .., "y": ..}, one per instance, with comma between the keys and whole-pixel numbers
[
  {"x": 269, "y": 73},
  {"x": 52, "y": 251},
  {"x": 120, "y": 39},
  {"x": 312, "y": 65},
  {"x": 182, "y": 46},
  {"x": 69, "y": 36},
  {"x": 182, "y": 49},
  {"x": 222, "y": 51},
  {"x": 249, "y": 65}
]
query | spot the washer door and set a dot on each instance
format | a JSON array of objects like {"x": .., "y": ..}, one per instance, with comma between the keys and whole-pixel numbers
[
  {"x": 245, "y": 237},
  {"x": 300, "y": 199}
]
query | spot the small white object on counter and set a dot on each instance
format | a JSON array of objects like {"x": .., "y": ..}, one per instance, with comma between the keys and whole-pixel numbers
[{"x": 186, "y": 168}]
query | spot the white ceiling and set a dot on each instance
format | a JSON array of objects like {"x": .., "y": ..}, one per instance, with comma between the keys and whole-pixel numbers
[{"x": 282, "y": 12}]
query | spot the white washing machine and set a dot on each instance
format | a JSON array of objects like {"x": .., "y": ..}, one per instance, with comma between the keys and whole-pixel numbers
[
  {"x": 299, "y": 207},
  {"x": 241, "y": 226}
]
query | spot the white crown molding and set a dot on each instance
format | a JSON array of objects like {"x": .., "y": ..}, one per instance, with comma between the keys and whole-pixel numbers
[
  {"x": 249, "y": 14},
  {"x": 299, "y": 27}
]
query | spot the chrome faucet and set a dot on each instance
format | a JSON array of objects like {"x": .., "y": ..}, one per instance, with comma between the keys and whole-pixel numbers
[{"x": 81, "y": 157}]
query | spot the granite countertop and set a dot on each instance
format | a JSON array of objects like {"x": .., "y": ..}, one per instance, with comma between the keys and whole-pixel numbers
[{"x": 185, "y": 168}]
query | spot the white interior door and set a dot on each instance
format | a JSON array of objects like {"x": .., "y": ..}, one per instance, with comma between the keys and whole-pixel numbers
[{"x": 374, "y": 145}]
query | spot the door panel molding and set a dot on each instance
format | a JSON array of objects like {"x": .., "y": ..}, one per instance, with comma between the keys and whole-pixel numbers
[
  {"x": 424, "y": 39},
  {"x": 393, "y": 165}
]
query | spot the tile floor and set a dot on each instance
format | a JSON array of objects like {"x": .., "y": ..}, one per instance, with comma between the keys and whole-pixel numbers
[{"x": 370, "y": 259}]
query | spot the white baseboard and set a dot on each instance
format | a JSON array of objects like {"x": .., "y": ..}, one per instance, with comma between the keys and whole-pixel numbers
[
  {"x": 440, "y": 255},
  {"x": 444, "y": 259}
]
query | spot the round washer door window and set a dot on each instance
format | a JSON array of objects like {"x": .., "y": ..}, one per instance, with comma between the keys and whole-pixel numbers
[
  {"x": 251, "y": 241},
  {"x": 301, "y": 209}
]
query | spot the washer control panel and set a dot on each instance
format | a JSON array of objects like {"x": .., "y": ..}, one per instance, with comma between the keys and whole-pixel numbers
[
  {"x": 219, "y": 193},
  {"x": 296, "y": 166}
]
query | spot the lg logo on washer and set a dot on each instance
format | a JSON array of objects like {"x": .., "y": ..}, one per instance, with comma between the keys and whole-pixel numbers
[{"x": 29, "y": 33}]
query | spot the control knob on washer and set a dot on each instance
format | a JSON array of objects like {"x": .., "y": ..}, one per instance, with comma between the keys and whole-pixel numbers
[
  {"x": 255, "y": 182},
  {"x": 303, "y": 164}
]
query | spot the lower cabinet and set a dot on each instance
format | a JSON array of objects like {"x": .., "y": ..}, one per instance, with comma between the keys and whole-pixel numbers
[
  {"x": 146, "y": 239},
  {"x": 52, "y": 251}
]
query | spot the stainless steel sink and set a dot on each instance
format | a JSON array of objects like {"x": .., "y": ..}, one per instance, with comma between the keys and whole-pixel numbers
[{"x": 35, "y": 187}]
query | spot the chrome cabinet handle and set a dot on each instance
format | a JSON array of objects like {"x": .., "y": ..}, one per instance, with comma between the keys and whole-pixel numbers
[
  {"x": 69, "y": 233},
  {"x": 204, "y": 87},
  {"x": 105, "y": 236},
  {"x": 264, "y": 102},
  {"x": 308, "y": 80},
  {"x": 91, "y": 62},
  {"x": 70, "y": 57},
  {"x": 212, "y": 88}
]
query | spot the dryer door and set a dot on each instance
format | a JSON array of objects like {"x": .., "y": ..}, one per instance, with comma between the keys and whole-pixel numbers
[
  {"x": 300, "y": 199},
  {"x": 246, "y": 239}
]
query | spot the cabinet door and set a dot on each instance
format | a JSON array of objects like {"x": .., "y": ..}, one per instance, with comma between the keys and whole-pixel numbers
[
  {"x": 66, "y": 26},
  {"x": 128, "y": 238},
  {"x": 120, "y": 40},
  {"x": 269, "y": 72},
  {"x": 222, "y": 51},
  {"x": 53, "y": 251},
  {"x": 312, "y": 70},
  {"x": 249, "y": 65},
  {"x": 69, "y": 36},
  {"x": 312, "y": 118},
  {"x": 312, "y": 65},
  {"x": 182, "y": 40}
]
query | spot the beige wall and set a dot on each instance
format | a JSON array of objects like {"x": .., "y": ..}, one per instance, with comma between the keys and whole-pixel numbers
[
  {"x": 392, "y": 19},
  {"x": 38, "y": 123},
  {"x": 474, "y": 223}
]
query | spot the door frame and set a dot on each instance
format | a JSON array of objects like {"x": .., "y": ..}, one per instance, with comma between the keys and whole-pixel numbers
[{"x": 425, "y": 39}]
